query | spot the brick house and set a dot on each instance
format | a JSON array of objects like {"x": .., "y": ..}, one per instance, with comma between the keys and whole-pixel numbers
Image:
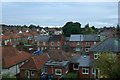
[
  {"x": 42, "y": 42},
  {"x": 12, "y": 59},
  {"x": 51, "y": 63},
  {"x": 56, "y": 42},
  {"x": 33, "y": 68},
  {"x": 110, "y": 44},
  {"x": 81, "y": 66},
  {"x": 58, "y": 65},
  {"x": 82, "y": 43}
]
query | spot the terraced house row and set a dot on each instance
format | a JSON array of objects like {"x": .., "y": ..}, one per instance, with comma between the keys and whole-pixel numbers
[{"x": 55, "y": 56}]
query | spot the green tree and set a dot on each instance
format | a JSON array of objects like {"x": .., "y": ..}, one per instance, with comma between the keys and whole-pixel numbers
[
  {"x": 71, "y": 76},
  {"x": 118, "y": 28},
  {"x": 71, "y": 28},
  {"x": 32, "y": 26},
  {"x": 90, "y": 31},
  {"x": 108, "y": 64},
  {"x": 87, "y": 26}
]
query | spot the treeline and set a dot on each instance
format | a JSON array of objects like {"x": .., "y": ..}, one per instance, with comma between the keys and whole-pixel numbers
[
  {"x": 75, "y": 28},
  {"x": 24, "y": 26}
]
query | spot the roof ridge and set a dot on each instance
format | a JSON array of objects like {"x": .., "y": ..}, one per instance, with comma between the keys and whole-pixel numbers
[
  {"x": 34, "y": 62},
  {"x": 101, "y": 42}
]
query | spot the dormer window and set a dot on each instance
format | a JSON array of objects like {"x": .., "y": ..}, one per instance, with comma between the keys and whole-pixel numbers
[
  {"x": 27, "y": 30},
  {"x": 20, "y": 31}
]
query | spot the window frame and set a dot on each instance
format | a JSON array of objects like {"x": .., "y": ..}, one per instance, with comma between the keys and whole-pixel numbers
[
  {"x": 44, "y": 43},
  {"x": 86, "y": 50},
  {"x": 32, "y": 74},
  {"x": 56, "y": 71},
  {"x": 52, "y": 43},
  {"x": 96, "y": 54},
  {"x": 85, "y": 70},
  {"x": 93, "y": 71},
  {"x": 44, "y": 70},
  {"x": 87, "y": 43},
  {"x": 95, "y": 42},
  {"x": 75, "y": 68},
  {"x": 78, "y": 43},
  {"x": 77, "y": 48},
  {"x": 58, "y": 43}
]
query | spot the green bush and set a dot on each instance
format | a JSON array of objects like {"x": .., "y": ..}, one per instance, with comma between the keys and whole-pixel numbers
[{"x": 71, "y": 75}]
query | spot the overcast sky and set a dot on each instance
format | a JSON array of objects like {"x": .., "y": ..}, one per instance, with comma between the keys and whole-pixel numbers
[{"x": 98, "y": 14}]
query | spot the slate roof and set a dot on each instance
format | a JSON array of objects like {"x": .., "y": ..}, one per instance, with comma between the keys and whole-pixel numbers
[
  {"x": 109, "y": 44},
  {"x": 43, "y": 38},
  {"x": 86, "y": 37},
  {"x": 56, "y": 63},
  {"x": 83, "y": 60},
  {"x": 55, "y": 38},
  {"x": 67, "y": 38}
]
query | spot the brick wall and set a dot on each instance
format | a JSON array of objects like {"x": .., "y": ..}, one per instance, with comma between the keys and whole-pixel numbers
[{"x": 85, "y": 75}]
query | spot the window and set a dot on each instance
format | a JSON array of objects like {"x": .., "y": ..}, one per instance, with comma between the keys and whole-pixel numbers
[
  {"x": 87, "y": 49},
  {"x": 85, "y": 70},
  {"x": 38, "y": 48},
  {"x": 32, "y": 73},
  {"x": 44, "y": 70},
  {"x": 58, "y": 71},
  {"x": 58, "y": 43},
  {"x": 27, "y": 74},
  {"x": 45, "y": 47},
  {"x": 87, "y": 43},
  {"x": 94, "y": 43},
  {"x": 93, "y": 70},
  {"x": 77, "y": 49},
  {"x": 96, "y": 54},
  {"x": 38, "y": 43},
  {"x": 71, "y": 44},
  {"x": 75, "y": 67},
  {"x": 43, "y": 43},
  {"x": 41, "y": 48},
  {"x": 66, "y": 68},
  {"x": 78, "y": 43},
  {"x": 52, "y": 43}
]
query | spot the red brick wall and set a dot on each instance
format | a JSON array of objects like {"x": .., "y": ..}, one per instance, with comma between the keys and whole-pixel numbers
[
  {"x": 85, "y": 75},
  {"x": 91, "y": 55},
  {"x": 81, "y": 44},
  {"x": 37, "y": 74},
  {"x": 49, "y": 71},
  {"x": 41, "y": 44},
  {"x": 71, "y": 68}
]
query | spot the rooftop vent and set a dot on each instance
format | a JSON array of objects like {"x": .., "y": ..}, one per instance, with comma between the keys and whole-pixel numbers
[
  {"x": 84, "y": 56},
  {"x": 14, "y": 45},
  {"x": 20, "y": 51}
]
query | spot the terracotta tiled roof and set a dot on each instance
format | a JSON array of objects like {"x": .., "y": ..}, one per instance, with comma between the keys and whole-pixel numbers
[
  {"x": 36, "y": 62},
  {"x": 52, "y": 29},
  {"x": 59, "y": 55},
  {"x": 4, "y": 37},
  {"x": 12, "y": 36},
  {"x": 11, "y": 56}
]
